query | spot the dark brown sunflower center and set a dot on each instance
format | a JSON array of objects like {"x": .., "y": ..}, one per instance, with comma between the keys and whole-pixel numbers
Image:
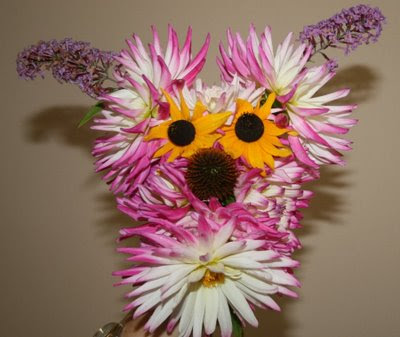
[
  {"x": 181, "y": 132},
  {"x": 249, "y": 127},
  {"x": 211, "y": 173}
]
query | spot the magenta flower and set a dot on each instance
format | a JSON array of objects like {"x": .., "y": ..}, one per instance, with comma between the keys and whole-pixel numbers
[
  {"x": 279, "y": 196},
  {"x": 163, "y": 195},
  {"x": 254, "y": 60},
  {"x": 162, "y": 68},
  {"x": 316, "y": 122},
  {"x": 319, "y": 124},
  {"x": 136, "y": 107},
  {"x": 268, "y": 210}
]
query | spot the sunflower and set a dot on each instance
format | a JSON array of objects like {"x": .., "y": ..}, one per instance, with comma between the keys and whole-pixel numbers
[
  {"x": 253, "y": 136},
  {"x": 186, "y": 133}
]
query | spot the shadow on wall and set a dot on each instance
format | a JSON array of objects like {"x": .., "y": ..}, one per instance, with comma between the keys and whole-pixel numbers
[
  {"x": 328, "y": 201},
  {"x": 359, "y": 78},
  {"x": 60, "y": 123},
  {"x": 327, "y": 205}
]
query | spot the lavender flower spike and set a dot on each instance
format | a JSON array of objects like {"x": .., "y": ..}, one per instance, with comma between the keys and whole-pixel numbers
[
  {"x": 346, "y": 30},
  {"x": 70, "y": 61}
]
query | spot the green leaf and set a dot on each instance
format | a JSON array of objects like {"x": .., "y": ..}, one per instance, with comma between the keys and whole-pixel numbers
[
  {"x": 94, "y": 110},
  {"x": 228, "y": 200},
  {"x": 237, "y": 329}
]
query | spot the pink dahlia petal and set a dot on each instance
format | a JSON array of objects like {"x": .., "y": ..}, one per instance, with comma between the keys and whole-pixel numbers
[{"x": 257, "y": 61}]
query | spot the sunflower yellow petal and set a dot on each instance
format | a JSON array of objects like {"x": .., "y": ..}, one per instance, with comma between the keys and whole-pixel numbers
[
  {"x": 269, "y": 148},
  {"x": 211, "y": 122},
  {"x": 245, "y": 152},
  {"x": 163, "y": 150},
  {"x": 269, "y": 160},
  {"x": 242, "y": 107},
  {"x": 228, "y": 128},
  {"x": 232, "y": 144},
  {"x": 254, "y": 154},
  {"x": 271, "y": 129},
  {"x": 272, "y": 140},
  {"x": 228, "y": 139},
  {"x": 173, "y": 108},
  {"x": 200, "y": 142},
  {"x": 204, "y": 141},
  {"x": 198, "y": 110},
  {"x": 284, "y": 152},
  {"x": 176, "y": 152},
  {"x": 184, "y": 108},
  {"x": 160, "y": 131},
  {"x": 236, "y": 150},
  {"x": 189, "y": 152},
  {"x": 238, "y": 147},
  {"x": 265, "y": 110}
]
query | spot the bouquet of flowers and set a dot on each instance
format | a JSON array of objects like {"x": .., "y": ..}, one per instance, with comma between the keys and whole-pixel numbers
[{"x": 214, "y": 174}]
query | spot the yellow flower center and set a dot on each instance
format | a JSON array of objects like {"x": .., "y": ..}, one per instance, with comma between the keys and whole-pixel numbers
[{"x": 212, "y": 279}]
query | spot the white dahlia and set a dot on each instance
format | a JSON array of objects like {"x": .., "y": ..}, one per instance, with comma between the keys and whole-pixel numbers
[{"x": 198, "y": 278}]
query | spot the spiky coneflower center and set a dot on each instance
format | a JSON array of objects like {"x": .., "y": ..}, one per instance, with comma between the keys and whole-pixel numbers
[
  {"x": 249, "y": 127},
  {"x": 211, "y": 173},
  {"x": 181, "y": 132},
  {"x": 211, "y": 279}
]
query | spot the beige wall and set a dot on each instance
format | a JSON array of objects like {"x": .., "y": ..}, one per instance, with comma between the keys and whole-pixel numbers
[{"x": 58, "y": 221}]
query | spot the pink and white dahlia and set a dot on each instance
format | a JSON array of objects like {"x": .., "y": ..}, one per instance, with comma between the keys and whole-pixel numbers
[
  {"x": 220, "y": 98},
  {"x": 163, "y": 68},
  {"x": 124, "y": 154},
  {"x": 318, "y": 123},
  {"x": 247, "y": 225},
  {"x": 163, "y": 195},
  {"x": 166, "y": 197},
  {"x": 135, "y": 107},
  {"x": 256, "y": 61},
  {"x": 278, "y": 196},
  {"x": 284, "y": 72},
  {"x": 194, "y": 279}
]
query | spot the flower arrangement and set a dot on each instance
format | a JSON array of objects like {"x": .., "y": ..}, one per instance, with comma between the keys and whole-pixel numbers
[{"x": 214, "y": 173}]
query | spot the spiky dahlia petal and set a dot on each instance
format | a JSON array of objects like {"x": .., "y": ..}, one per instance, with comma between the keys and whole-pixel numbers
[
  {"x": 256, "y": 61},
  {"x": 164, "y": 194},
  {"x": 136, "y": 106},
  {"x": 195, "y": 282},
  {"x": 318, "y": 123},
  {"x": 165, "y": 198},
  {"x": 277, "y": 196},
  {"x": 283, "y": 71},
  {"x": 161, "y": 67},
  {"x": 221, "y": 98}
]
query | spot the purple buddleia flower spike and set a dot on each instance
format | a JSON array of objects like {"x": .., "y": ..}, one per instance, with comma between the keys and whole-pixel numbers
[
  {"x": 346, "y": 30},
  {"x": 70, "y": 61}
]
